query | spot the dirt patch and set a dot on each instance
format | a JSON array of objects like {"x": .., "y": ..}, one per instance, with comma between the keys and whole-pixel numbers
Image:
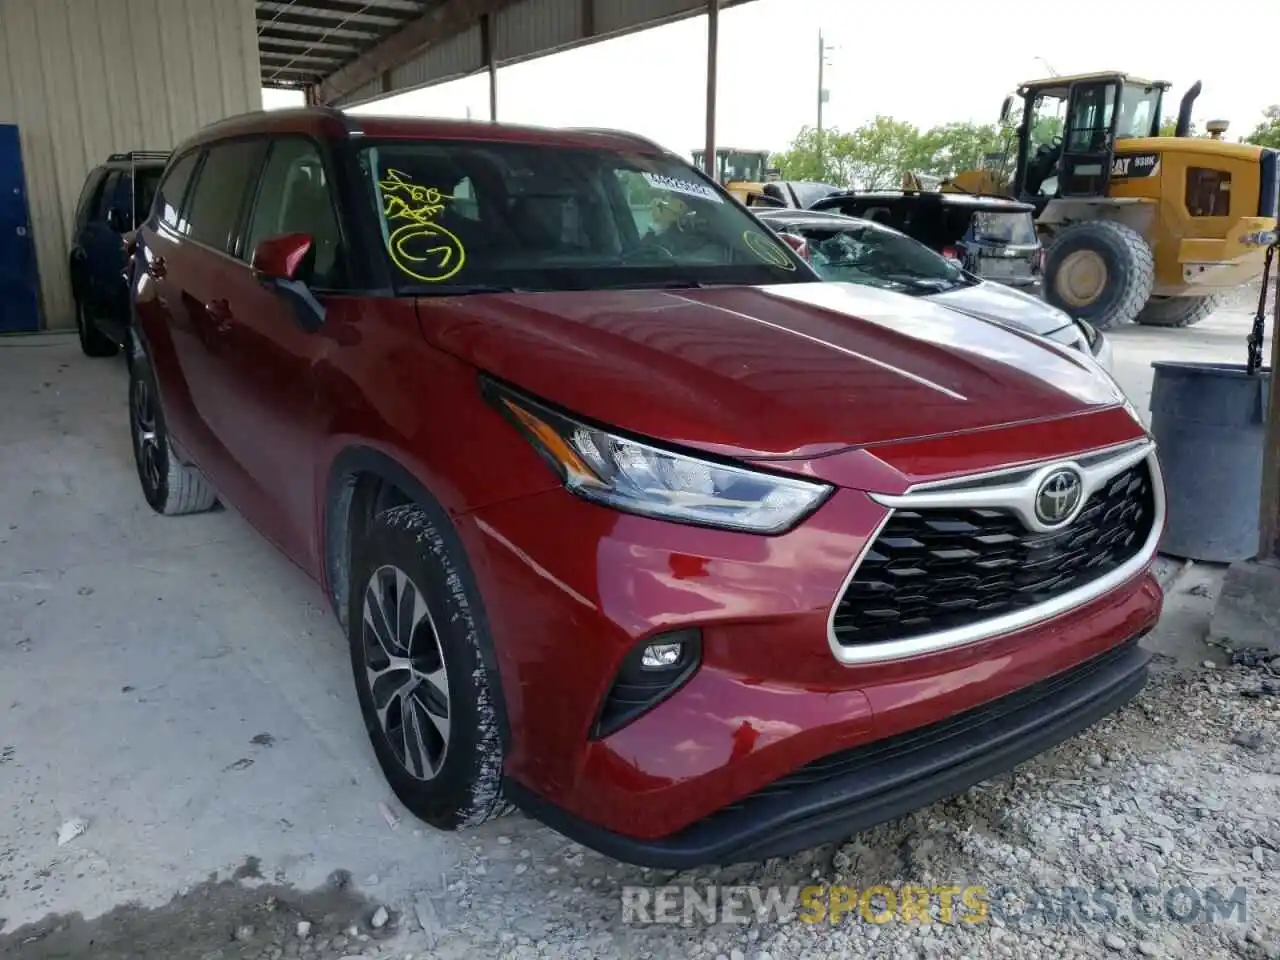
[{"x": 218, "y": 920}]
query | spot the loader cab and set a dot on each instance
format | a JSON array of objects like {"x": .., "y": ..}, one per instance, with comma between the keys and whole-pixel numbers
[{"x": 1069, "y": 128}]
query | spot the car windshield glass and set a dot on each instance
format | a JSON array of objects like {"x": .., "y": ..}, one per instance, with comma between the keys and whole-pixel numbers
[
  {"x": 993, "y": 227},
  {"x": 876, "y": 257},
  {"x": 475, "y": 216}
]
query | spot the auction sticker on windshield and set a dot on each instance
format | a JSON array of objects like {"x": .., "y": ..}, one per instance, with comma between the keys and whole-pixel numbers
[{"x": 687, "y": 187}]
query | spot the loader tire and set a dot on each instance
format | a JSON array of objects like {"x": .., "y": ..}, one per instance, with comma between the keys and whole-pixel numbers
[
  {"x": 1099, "y": 271},
  {"x": 1177, "y": 311}
]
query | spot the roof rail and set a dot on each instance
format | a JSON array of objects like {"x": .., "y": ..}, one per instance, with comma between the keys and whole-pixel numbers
[{"x": 134, "y": 155}]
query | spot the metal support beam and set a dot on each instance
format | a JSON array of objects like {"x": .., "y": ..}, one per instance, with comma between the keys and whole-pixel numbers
[
  {"x": 446, "y": 20},
  {"x": 490, "y": 64},
  {"x": 713, "y": 44},
  {"x": 1269, "y": 548}
]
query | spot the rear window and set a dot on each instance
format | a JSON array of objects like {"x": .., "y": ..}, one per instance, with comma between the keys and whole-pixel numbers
[
  {"x": 1011, "y": 228},
  {"x": 469, "y": 216}
]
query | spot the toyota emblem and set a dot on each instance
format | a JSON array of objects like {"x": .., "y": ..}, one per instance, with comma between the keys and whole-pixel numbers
[{"x": 1058, "y": 496}]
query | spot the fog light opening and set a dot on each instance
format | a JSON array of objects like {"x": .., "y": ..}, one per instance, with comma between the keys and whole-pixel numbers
[{"x": 652, "y": 671}]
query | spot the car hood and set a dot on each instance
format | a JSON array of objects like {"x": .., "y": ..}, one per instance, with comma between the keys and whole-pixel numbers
[
  {"x": 790, "y": 370},
  {"x": 995, "y": 301}
]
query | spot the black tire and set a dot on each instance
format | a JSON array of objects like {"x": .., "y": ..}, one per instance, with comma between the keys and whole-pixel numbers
[
  {"x": 1126, "y": 285},
  {"x": 93, "y": 342},
  {"x": 1177, "y": 311},
  {"x": 409, "y": 555},
  {"x": 170, "y": 487}
]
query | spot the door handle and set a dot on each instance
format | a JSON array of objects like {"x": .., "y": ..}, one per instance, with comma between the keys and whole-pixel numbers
[
  {"x": 220, "y": 313},
  {"x": 156, "y": 267}
]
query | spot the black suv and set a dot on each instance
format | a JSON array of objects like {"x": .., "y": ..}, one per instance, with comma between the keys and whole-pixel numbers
[
  {"x": 989, "y": 236},
  {"x": 115, "y": 199}
]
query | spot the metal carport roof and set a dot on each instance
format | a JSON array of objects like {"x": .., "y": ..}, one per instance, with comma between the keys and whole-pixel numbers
[{"x": 345, "y": 52}]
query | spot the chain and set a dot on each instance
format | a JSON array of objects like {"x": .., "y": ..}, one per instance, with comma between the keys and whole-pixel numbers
[{"x": 1255, "y": 337}]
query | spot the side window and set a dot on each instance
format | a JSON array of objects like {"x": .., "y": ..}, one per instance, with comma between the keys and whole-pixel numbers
[
  {"x": 89, "y": 195},
  {"x": 145, "y": 181},
  {"x": 172, "y": 188},
  {"x": 294, "y": 197},
  {"x": 222, "y": 187},
  {"x": 107, "y": 197}
]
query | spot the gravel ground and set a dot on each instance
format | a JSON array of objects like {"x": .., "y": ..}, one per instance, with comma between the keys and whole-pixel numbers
[{"x": 1178, "y": 790}]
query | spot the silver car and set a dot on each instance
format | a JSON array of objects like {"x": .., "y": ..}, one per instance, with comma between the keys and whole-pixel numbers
[{"x": 850, "y": 250}]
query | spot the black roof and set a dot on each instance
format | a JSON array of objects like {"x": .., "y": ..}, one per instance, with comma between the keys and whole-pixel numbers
[
  {"x": 139, "y": 158},
  {"x": 973, "y": 201}
]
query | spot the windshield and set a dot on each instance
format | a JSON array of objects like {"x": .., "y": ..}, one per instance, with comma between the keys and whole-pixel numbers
[
  {"x": 738, "y": 166},
  {"x": 472, "y": 216},
  {"x": 1009, "y": 228},
  {"x": 876, "y": 257},
  {"x": 1139, "y": 111}
]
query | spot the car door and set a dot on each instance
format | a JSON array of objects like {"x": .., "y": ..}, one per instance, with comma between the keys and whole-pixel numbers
[
  {"x": 269, "y": 417},
  {"x": 103, "y": 246},
  {"x": 86, "y": 205},
  {"x": 166, "y": 334}
]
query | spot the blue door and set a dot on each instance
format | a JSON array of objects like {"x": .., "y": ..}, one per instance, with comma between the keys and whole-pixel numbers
[{"x": 19, "y": 301}]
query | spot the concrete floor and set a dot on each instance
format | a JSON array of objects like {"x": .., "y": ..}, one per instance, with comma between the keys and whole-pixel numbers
[{"x": 179, "y": 685}]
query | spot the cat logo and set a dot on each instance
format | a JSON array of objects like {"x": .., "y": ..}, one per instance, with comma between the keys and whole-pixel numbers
[{"x": 1135, "y": 165}]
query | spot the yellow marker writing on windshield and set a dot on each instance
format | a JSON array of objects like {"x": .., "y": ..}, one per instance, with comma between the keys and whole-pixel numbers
[
  {"x": 420, "y": 247},
  {"x": 767, "y": 250}
]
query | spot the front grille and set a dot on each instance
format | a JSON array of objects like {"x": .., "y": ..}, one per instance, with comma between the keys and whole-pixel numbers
[{"x": 933, "y": 569}]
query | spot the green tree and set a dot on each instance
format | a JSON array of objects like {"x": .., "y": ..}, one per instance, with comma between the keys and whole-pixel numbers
[
  {"x": 1169, "y": 127},
  {"x": 1267, "y": 133}
]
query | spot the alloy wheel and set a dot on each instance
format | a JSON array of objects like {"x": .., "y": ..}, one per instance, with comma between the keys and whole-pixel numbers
[
  {"x": 405, "y": 667},
  {"x": 146, "y": 436}
]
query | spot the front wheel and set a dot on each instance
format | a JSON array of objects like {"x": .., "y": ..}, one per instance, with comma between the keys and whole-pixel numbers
[
  {"x": 1099, "y": 271},
  {"x": 169, "y": 486},
  {"x": 418, "y": 657}
]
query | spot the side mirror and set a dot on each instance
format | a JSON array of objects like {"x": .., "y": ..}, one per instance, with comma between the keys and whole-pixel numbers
[
  {"x": 283, "y": 263},
  {"x": 118, "y": 220},
  {"x": 282, "y": 257},
  {"x": 1005, "y": 109}
]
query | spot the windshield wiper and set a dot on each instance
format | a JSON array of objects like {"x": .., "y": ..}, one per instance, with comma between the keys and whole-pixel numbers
[
  {"x": 657, "y": 285},
  {"x": 465, "y": 289}
]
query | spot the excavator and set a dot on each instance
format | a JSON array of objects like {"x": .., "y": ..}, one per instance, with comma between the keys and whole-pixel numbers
[
  {"x": 742, "y": 172},
  {"x": 1137, "y": 226}
]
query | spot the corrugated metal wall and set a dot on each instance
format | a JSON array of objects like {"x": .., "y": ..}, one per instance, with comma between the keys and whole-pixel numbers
[{"x": 86, "y": 78}]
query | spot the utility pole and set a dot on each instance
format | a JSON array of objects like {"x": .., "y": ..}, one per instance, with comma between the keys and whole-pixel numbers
[
  {"x": 823, "y": 93},
  {"x": 713, "y": 47}
]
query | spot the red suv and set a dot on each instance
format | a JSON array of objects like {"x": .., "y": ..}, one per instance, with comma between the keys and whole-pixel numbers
[{"x": 629, "y": 518}]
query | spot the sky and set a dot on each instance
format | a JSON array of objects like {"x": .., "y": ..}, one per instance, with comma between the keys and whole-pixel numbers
[{"x": 934, "y": 62}]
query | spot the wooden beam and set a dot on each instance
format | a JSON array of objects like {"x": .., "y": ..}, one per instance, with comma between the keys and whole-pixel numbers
[{"x": 448, "y": 19}]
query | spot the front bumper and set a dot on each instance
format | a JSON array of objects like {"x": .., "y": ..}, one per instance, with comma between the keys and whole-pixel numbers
[
  {"x": 858, "y": 788},
  {"x": 769, "y": 698}
]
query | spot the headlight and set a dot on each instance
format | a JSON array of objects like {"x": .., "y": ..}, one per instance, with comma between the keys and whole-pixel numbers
[{"x": 640, "y": 478}]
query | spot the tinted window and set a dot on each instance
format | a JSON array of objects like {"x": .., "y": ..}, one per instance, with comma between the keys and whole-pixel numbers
[
  {"x": 89, "y": 195},
  {"x": 172, "y": 188},
  {"x": 560, "y": 218},
  {"x": 145, "y": 182},
  {"x": 109, "y": 195},
  {"x": 294, "y": 197},
  {"x": 222, "y": 186}
]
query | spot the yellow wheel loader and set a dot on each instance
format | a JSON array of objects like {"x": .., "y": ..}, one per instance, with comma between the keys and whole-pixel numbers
[
  {"x": 1137, "y": 226},
  {"x": 742, "y": 172}
]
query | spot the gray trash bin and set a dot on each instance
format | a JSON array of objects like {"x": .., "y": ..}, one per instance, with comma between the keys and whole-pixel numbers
[{"x": 1208, "y": 419}]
